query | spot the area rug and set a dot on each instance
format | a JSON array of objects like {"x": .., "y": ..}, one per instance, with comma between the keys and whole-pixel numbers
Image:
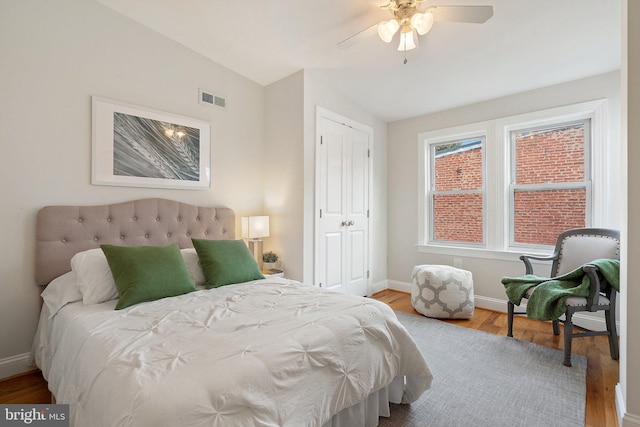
[{"x": 481, "y": 379}]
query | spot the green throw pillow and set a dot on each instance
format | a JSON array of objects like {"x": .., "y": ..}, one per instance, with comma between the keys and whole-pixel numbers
[
  {"x": 225, "y": 262},
  {"x": 147, "y": 273}
]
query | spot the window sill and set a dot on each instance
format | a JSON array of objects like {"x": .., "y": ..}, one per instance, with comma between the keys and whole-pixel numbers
[{"x": 479, "y": 252}]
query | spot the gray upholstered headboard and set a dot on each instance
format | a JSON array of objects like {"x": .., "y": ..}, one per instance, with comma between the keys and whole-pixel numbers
[{"x": 63, "y": 231}]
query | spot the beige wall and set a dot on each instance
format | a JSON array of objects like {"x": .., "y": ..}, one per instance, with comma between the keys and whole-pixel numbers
[
  {"x": 403, "y": 175},
  {"x": 628, "y": 392},
  {"x": 54, "y": 56},
  {"x": 402, "y": 199},
  {"x": 283, "y": 171},
  {"x": 290, "y": 170},
  {"x": 317, "y": 93}
]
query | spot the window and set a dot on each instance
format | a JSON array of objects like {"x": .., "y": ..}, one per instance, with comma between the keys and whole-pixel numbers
[
  {"x": 550, "y": 189},
  {"x": 491, "y": 189},
  {"x": 456, "y": 191}
]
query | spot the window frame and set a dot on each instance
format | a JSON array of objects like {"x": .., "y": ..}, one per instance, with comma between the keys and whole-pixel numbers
[
  {"x": 496, "y": 159},
  {"x": 426, "y": 181},
  {"x": 432, "y": 192},
  {"x": 513, "y": 187}
]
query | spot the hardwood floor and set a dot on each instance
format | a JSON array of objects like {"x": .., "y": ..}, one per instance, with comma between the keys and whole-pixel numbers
[
  {"x": 602, "y": 372},
  {"x": 25, "y": 388}
]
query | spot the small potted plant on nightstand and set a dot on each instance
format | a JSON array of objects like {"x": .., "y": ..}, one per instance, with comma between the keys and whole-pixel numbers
[{"x": 269, "y": 260}]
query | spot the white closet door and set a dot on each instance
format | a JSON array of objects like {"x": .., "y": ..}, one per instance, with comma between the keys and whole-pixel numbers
[
  {"x": 333, "y": 206},
  {"x": 357, "y": 232},
  {"x": 343, "y": 195}
]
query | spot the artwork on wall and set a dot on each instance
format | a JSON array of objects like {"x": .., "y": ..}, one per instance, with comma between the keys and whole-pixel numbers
[{"x": 138, "y": 147}]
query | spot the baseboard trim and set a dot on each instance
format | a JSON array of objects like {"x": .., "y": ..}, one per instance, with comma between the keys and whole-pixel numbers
[
  {"x": 378, "y": 286},
  {"x": 500, "y": 305},
  {"x": 624, "y": 419},
  {"x": 15, "y": 365},
  {"x": 491, "y": 303},
  {"x": 620, "y": 404},
  {"x": 399, "y": 286},
  {"x": 629, "y": 420}
]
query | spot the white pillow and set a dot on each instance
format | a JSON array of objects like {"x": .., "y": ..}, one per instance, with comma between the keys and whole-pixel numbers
[
  {"x": 95, "y": 281},
  {"x": 191, "y": 260},
  {"x": 61, "y": 291}
]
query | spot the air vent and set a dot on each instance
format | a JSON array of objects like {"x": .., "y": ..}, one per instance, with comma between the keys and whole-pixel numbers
[{"x": 209, "y": 98}]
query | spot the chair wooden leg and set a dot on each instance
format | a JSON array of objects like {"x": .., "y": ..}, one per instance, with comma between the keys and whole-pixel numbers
[
  {"x": 556, "y": 327},
  {"x": 568, "y": 335},
  {"x": 610, "y": 317},
  {"x": 510, "y": 309}
]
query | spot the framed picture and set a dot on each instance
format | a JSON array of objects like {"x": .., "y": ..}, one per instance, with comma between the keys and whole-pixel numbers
[{"x": 138, "y": 147}]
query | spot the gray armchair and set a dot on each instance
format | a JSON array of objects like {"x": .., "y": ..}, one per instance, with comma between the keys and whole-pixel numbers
[{"x": 575, "y": 248}]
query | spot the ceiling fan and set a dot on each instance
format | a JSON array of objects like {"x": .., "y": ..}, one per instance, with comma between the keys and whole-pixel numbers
[{"x": 408, "y": 18}]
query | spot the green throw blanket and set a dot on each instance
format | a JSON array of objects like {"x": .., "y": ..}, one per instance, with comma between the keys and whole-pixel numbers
[{"x": 547, "y": 301}]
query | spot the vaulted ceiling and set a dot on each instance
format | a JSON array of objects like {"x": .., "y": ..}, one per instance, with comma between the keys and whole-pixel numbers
[{"x": 525, "y": 45}]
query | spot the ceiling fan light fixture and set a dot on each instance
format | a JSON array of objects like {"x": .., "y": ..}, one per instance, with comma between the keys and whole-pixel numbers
[
  {"x": 422, "y": 22},
  {"x": 386, "y": 29},
  {"x": 406, "y": 39}
]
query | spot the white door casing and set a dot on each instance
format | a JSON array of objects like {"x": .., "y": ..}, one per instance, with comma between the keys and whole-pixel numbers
[{"x": 342, "y": 197}]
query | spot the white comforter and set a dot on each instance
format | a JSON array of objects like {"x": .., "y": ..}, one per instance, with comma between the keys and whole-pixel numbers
[{"x": 264, "y": 353}]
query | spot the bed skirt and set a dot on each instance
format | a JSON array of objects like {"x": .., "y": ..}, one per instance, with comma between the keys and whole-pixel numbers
[{"x": 367, "y": 412}]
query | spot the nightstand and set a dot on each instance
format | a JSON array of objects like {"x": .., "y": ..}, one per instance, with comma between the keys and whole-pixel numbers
[{"x": 272, "y": 272}]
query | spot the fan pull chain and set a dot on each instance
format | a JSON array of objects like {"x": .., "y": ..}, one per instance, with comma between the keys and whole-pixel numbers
[{"x": 405, "y": 52}]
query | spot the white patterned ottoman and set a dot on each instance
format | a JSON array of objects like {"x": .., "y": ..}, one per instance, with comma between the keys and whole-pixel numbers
[{"x": 442, "y": 291}]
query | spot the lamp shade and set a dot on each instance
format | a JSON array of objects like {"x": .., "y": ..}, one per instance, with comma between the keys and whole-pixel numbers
[
  {"x": 386, "y": 30},
  {"x": 406, "y": 39},
  {"x": 422, "y": 22},
  {"x": 254, "y": 227}
]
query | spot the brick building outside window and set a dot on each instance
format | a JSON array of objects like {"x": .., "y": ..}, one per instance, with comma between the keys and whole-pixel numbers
[
  {"x": 548, "y": 187},
  {"x": 515, "y": 183},
  {"x": 457, "y": 192},
  {"x": 550, "y": 182}
]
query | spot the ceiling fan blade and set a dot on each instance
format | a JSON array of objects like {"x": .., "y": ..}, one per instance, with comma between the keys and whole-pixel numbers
[
  {"x": 379, "y": 3},
  {"x": 358, "y": 37},
  {"x": 472, "y": 14}
]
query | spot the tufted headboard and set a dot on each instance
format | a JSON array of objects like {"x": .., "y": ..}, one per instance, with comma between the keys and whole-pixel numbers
[{"x": 63, "y": 231}]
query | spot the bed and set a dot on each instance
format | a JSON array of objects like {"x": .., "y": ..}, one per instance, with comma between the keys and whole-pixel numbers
[{"x": 263, "y": 352}]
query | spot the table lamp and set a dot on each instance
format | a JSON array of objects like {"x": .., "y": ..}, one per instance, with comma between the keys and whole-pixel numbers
[{"x": 254, "y": 227}]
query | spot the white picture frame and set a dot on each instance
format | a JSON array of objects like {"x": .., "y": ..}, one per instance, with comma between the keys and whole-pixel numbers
[{"x": 138, "y": 147}]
